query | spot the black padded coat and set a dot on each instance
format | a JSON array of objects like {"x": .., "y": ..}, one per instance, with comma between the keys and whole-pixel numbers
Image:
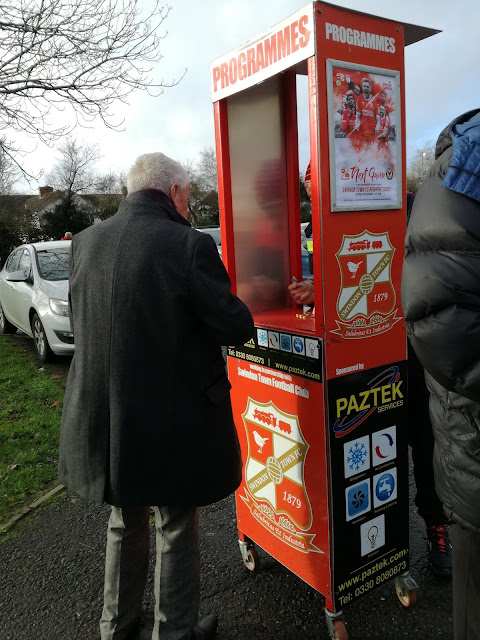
[{"x": 441, "y": 303}]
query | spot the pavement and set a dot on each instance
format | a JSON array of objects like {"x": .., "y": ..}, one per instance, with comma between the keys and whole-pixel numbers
[{"x": 51, "y": 582}]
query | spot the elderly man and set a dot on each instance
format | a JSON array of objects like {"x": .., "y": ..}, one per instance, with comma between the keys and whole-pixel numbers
[{"x": 147, "y": 418}]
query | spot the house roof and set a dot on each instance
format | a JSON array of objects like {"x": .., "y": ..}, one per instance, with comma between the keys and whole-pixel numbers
[
  {"x": 102, "y": 199},
  {"x": 35, "y": 203},
  {"x": 14, "y": 201}
]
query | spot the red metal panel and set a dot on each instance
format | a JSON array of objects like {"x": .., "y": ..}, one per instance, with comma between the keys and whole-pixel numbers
[
  {"x": 291, "y": 144},
  {"x": 316, "y": 191},
  {"x": 390, "y": 346},
  {"x": 225, "y": 188},
  {"x": 282, "y": 501}
]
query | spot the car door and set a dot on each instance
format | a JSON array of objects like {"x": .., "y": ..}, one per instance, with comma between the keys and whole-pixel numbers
[
  {"x": 22, "y": 292},
  {"x": 7, "y": 294}
]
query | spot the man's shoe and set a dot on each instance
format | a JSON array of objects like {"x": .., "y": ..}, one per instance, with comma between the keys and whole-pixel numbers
[
  {"x": 440, "y": 550},
  {"x": 205, "y": 629}
]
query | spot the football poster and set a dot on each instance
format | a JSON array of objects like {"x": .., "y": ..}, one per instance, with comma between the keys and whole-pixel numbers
[{"x": 364, "y": 136}]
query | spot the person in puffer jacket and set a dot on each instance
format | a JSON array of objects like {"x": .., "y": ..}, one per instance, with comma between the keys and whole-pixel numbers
[{"x": 441, "y": 304}]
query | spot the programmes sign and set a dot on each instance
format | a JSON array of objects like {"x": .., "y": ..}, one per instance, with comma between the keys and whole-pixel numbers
[{"x": 281, "y": 47}]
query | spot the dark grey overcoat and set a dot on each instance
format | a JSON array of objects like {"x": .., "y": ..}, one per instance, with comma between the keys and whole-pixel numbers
[{"x": 147, "y": 418}]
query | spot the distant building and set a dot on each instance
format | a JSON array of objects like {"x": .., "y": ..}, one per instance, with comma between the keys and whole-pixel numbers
[{"x": 48, "y": 198}]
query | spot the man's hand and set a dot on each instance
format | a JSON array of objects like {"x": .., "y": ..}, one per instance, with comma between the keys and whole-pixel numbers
[{"x": 302, "y": 292}]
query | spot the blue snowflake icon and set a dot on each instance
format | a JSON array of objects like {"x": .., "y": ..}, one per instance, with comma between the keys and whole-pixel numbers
[{"x": 357, "y": 456}]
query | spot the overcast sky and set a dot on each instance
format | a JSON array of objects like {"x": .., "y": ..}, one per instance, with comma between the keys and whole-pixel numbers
[{"x": 441, "y": 76}]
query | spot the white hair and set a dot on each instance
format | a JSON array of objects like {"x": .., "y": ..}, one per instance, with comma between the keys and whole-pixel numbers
[{"x": 156, "y": 171}]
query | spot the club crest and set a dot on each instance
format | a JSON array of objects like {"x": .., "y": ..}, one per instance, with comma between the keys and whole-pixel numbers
[
  {"x": 274, "y": 486},
  {"x": 366, "y": 301}
]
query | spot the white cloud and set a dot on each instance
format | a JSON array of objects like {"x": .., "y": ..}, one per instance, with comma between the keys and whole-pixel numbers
[{"x": 441, "y": 76}]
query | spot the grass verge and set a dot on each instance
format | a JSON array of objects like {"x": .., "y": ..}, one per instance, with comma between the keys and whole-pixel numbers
[{"x": 30, "y": 412}]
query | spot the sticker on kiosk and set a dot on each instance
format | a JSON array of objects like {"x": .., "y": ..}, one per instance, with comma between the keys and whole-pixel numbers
[
  {"x": 356, "y": 456},
  {"x": 372, "y": 535},
  {"x": 274, "y": 489},
  {"x": 286, "y": 352},
  {"x": 357, "y": 499},
  {"x": 366, "y": 303},
  {"x": 384, "y": 446}
]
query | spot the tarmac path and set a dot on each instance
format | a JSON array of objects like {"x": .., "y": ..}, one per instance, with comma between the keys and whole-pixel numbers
[
  {"x": 51, "y": 582},
  {"x": 52, "y": 579}
]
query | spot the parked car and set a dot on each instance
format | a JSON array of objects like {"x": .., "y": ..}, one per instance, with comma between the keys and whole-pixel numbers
[
  {"x": 34, "y": 297},
  {"x": 216, "y": 235}
]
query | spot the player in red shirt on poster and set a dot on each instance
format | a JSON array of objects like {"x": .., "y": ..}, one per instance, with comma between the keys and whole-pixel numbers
[
  {"x": 383, "y": 102},
  {"x": 352, "y": 90},
  {"x": 368, "y": 119},
  {"x": 384, "y": 126},
  {"x": 349, "y": 116}
]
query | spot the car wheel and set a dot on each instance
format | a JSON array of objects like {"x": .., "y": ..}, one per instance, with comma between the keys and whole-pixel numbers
[
  {"x": 5, "y": 325},
  {"x": 40, "y": 342}
]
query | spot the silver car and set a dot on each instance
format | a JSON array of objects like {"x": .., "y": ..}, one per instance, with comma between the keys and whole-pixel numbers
[
  {"x": 34, "y": 296},
  {"x": 216, "y": 235}
]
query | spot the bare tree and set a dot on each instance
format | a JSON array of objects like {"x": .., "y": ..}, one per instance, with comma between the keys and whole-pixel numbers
[
  {"x": 9, "y": 172},
  {"x": 419, "y": 165},
  {"x": 110, "y": 190},
  {"x": 206, "y": 170},
  {"x": 110, "y": 183},
  {"x": 203, "y": 200},
  {"x": 78, "y": 55},
  {"x": 73, "y": 171}
]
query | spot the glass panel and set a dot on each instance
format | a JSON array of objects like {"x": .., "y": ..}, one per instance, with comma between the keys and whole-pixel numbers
[
  {"x": 25, "y": 262},
  {"x": 53, "y": 264},
  {"x": 12, "y": 263},
  {"x": 259, "y": 195},
  {"x": 304, "y": 159}
]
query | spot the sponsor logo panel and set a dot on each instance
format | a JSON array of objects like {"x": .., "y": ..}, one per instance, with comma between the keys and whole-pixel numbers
[{"x": 292, "y": 354}]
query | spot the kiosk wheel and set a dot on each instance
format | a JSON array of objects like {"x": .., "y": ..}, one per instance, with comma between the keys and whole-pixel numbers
[
  {"x": 407, "y": 598},
  {"x": 252, "y": 562},
  {"x": 406, "y": 589},
  {"x": 249, "y": 553},
  {"x": 336, "y": 625},
  {"x": 339, "y": 630}
]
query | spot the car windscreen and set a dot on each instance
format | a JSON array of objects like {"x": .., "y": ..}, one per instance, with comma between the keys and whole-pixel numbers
[
  {"x": 215, "y": 233},
  {"x": 53, "y": 263}
]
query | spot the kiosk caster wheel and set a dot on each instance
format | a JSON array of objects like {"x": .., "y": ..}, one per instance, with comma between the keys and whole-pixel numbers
[
  {"x": 406, "y": 589},
  {"x": 407, "y": 598},
  {"x": 340, "y": 631},
  {"x": 336, "y": 625},
  {"x": 249, "y": 555}
]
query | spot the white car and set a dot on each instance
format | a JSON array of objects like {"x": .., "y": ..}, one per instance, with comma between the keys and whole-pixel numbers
[
  {"x": 216, "y": 235},
  {"x": 34, "y": 296}
]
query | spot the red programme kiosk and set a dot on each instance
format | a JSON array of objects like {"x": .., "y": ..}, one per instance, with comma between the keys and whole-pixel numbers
[{"x": 320, "y": 400}]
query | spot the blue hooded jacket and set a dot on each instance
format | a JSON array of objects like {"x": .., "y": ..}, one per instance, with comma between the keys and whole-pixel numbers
[{"x": 463, "y": 174}]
